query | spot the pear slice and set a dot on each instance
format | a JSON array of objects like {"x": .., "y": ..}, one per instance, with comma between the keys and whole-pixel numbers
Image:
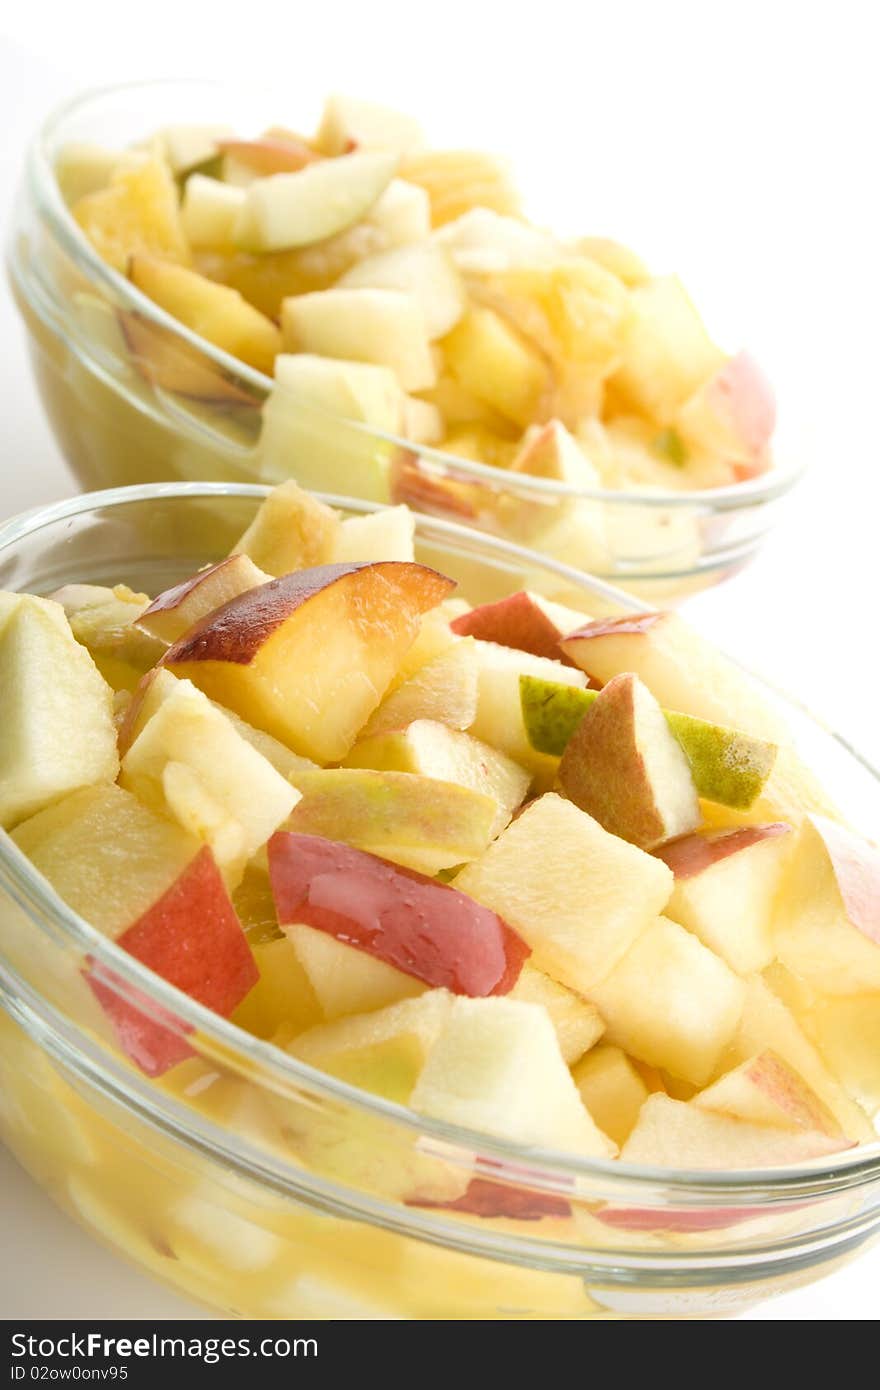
[
  {"x": 728, "y": 766},
  {"x": 624, "y": 766}
]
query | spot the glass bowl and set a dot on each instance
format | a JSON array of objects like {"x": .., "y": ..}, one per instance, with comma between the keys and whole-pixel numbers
[
  {"x": 105, "y": 359},
  {"x": 267, "y": 1189}
]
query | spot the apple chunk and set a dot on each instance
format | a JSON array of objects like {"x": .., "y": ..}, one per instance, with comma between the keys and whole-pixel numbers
[
  {"x": 385, "y": 327},
  {"x": 579, "y": 896},
  {"x": 311, "y": 204},
  {"x": 432, "y": 749},
  {"x": 496, "y": 1067},
  {"x": 168, "y": 908},
  {"x": 611, "y": 1088},
  {"x": 671, "y": 1002},
  {"x": 444, "y": 690},
  {"x": 346, "y": 980},
  {"x": 732, "y": 414},
  {"x": 523, "y": 620},
  {"x": 766, "y": 1091},
  {"x": 420, "y": 822},
  {"x": 222, "y": 771},
  {"x": 728, "y": 767},
  {"x": 308, "y": 657},
  {"x": 672, "y": 1134},
  {"x": 725, "y": 886},
  {"x": 177, "y": 609},
  {"x": 56, "y": 730},
  {"x": 576, "y": 1022},
  {"x": 291, "y": 531},
  {"x": 680, "y": 668},
  {"x": 424, "y": 270},
  {"x": 828, "y": 915},
  {"x": 624, "y": 767},
  {"x": 426, "y": 929}
]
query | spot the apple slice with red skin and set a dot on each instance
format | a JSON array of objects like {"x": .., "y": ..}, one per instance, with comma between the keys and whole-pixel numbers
[
  {"x": 269, "y": 154},
  {"x": 733, "y": 414},
  {"x": 177, "y": 609},
  {"x": 522, "y": 621},
  {"x": 308, "y": 656},
  {"x": 183, "y": 937},
  {"x": 424, "y": 928},
  {"x": 496, "y": 1200}
]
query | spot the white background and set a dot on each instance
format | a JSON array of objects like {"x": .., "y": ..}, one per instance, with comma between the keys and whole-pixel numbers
[{"x": 736, "y": 144}]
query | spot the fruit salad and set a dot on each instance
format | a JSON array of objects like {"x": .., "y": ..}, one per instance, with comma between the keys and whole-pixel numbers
[
  {"x": 403, "y": 288},
  {"x": 555, "y": 879}
]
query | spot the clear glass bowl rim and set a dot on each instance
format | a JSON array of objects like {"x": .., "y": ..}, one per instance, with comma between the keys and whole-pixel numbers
[
  {"x": 46, "y": 193},
  {"x": 262, "y": 1062}
]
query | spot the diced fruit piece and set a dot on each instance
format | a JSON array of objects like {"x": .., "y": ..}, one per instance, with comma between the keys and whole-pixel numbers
[
  {"x": 344, "y": 979},
  {"x": 417, "y": 821},
  {"x": 82, "y": 167},
  {"x": 444, "y": 689},
  {"x": 136, "y": 214},
  {"x": 732, "y": 414},
  {"x": 434, "y": 638},
  {"x": 482, "y": 242},
  {"x": 423, "y": 421},
  {"x": 385, "y": 327},
  {"x": 434, "y": 750},
  {"x": 216, "y": 312},
  {"x": 170, "y": 363},
  {"x": 766, "y": 1091},
  {"x": 169, "y": 909},
  {"x": 496, "y": 1067},
  {"x": 550, "y": 451},
  {"x": 186, "y": 146},
  {"x": 350, "y": 124},
  {"x": 283, "y": 997},
  {"x": 402, "y": 213},
  {"x": 426, "y": 929},
  {"x": 577, "y": 1023},
  {"x": 458, "y": 180},
  {"x": 728, "y": 766},
  {"x": 680, "y": 668},
  {"x": 188, "y": 731},
  {"x": 672, "y": 1134},
  {"x": 291, "y": 531},
  {"x": 612, "y": 1089},
  {"x": 204, "y": 1233},
  {"x": 388, "y": 534},
  {"x": 624, "y": 766},
  {"x": 383, "y": 1051},
  {"x": 846, "y": 1031},
  {"x": 177, "y": 609},
  {"x": 671, "y": 1002},
  {"x": 359, "y": 391},
  {"x": 289, "y": 764},
  {"x": 668, "y": 353},
  {"x": 827, "y": 925},
  {"x": 56, "y": 731},
  {"x": 106, "y": 621},
  {"x": 496, "y": 364},
  {"x": 499, "y": 717},
  {"x": 619, "y": 259},
  {"x": 312, "y": 204},
  {"x": 579, "y": 896},
  {"x": 522, "y": 620},
  {"x": 307, "y": 657},
  {"x": 262, "y": 158},
  {"x": 423, "y": 270},
  {"x": 767, "y": 1023},
  {"x": 725, "y": 886}
]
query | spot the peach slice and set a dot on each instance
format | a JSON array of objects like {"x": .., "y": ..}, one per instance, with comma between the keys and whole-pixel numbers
[
  {"x": 426, "y": 929},
  {"x": 307, "y": 657}
]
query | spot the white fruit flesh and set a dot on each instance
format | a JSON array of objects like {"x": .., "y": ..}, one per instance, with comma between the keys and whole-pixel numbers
[
  {"x": 766, "y": 1091},
  {"x": 287, "y": 210},
  {"x": 57, "y": 730},
  {"x": 444, "y": 689},
  {"x": 579, "y": 896},
  {"x": 358, "y": 390},
  {"x": 346, "y": 980},
  {"x": 496, "y": 1067},
  {"x": 385, "y": 535},
  {"x": 423, "y": 270},
  {"x": 611, "y": 1088},
  {"x": 385, "y": 327},
  {"x": 671, "y": 1002},
  {"x": 209, "y": 211},
  {"x": 673, "y": 1134},
  {"x": 576, "y": 1022}
]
